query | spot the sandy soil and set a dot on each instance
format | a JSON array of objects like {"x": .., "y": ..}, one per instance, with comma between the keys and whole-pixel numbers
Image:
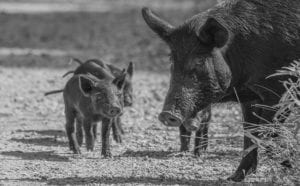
[{"x": 34, "y": 150}]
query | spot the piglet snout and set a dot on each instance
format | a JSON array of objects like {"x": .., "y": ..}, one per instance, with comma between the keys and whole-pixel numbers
[{"x": 114, "y": 111}]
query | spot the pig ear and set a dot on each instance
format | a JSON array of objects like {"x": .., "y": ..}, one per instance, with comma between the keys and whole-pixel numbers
[
  {"x": 130, "y": 70},
  {"x": 213, "y": 33},
  {"x": 159, "y": 26},
  {"x": 120, "y": 80},
  {"x": 86, "y": 85}
]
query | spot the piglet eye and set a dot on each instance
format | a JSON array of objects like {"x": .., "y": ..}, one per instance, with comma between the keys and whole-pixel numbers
[
  {"x": 199, "y": 61},
  {"x": 99, "y": 99},
  {"x": 100, "y": 96}
]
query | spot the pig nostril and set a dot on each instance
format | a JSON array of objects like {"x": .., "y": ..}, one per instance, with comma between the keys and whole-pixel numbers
[
  {"x": 114, "y": 111},
  {"x": 172, "y": 120},
  {"x": 168, "y": 119}
]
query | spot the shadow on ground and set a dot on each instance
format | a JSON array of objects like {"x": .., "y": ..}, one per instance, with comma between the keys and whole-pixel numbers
[
  {"x": 134, "y": 180},
  {"x": 147, "y": 153},
  {"x": 45, "y": 155},
  {"x": 57, "y": 133},
  {"x": 168, "y": 154},
  {"x": 50, "y": 141}
]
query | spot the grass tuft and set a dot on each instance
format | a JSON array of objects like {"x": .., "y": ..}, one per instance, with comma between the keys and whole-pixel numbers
[{"x": 279, "y": 141}]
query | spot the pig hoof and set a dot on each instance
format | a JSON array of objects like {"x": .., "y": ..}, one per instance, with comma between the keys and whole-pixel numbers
[
  {"x": 197, "y": 152},
  {"x": 106, "y": 154},
  {"x": 80, "y": 143},
  {"x": 118, "y": 138},
  {"x": 76, "y": 151},
  {"x": 90, "y": 148},
  {"x": 122, "y": 131},
  {"x": 184, "y": 149},
  {"x": 238, "y": 176},
  {"x": 121, "y": 128}
]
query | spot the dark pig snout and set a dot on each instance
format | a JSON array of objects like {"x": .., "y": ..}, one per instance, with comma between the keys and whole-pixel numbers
[
  {"x": 170, "y": 119},
  {"x": 114, "y": 111}
]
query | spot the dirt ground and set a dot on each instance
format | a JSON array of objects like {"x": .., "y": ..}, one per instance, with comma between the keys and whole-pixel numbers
[
  {"x": 33, "y": 144},
  {"x": 34, "y": 149}
]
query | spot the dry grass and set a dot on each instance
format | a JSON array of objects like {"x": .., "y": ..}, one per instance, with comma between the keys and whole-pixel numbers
[{"x": 287, "y": 145}]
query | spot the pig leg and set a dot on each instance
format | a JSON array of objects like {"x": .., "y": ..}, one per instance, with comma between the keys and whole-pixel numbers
[
  {"x": 119, "y": 124},
  {"x": 89, "y": 134},
  {"x": 185, "y": 137},
  {"x": 116, "y": 130},
  {"x": 79, "y": 131},
  {"x": 105, "y": 132},
  {"x": 249, "y": 162},
  {"x": 95, "y": 126},
  {"x": 201, "y": 138},
  {"x": 70, "y": 130}
]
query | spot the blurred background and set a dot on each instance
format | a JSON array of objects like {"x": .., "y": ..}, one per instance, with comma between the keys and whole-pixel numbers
[{"x": 46, "y": 33}]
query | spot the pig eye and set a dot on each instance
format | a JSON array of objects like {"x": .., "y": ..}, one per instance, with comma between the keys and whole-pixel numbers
[
  {"x": 171, "y": 57},
  {"x": 99, "y": 98},
  {"x": 199, "y": 64},
  {"x": 100, "y": 95}
]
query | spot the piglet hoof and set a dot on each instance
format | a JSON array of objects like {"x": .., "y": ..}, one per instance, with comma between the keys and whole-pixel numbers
[
  {"x": 106, "y": 154},
  {"x": 198, "y": 152},
  {"x": 90, "y": 149},
  {"x": 122, "y": 131},
  {"x": 238, "y": 176},
  {"x": 184, "y": 148},
  {"x": 79, "y": 142},
  {"x": 90, "y": 146},
  {"x": 76, "y": 150},
  {"x": 118, "y": 138},
  {"x": 121, "y": 128}
]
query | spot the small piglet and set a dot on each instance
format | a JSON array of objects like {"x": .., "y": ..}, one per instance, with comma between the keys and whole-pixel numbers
[
  {"x": 92, "y": 65},
  {"x": 95, "y": 67},
  {"x": 89, "y": 100}
]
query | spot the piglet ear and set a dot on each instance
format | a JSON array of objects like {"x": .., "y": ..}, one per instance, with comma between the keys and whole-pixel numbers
[
  {"x": 213, "y": 33},
  {"x": 86, "y": 85},
  {"x": 120, "y": 80},
  {"x": 130, "y": 70}
]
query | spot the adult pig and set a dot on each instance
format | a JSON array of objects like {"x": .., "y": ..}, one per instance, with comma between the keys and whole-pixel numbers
[{"x": 231, "y": 48}]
